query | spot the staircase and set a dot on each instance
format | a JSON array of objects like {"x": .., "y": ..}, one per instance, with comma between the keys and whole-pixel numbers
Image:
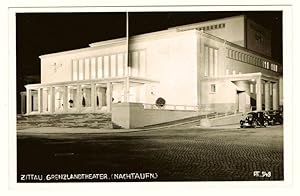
[{"x": 89, "y": 120}]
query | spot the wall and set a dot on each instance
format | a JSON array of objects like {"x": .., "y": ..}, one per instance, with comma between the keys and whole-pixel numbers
[
  {"x": 234, "y": 30},
  {"x": 133, "y": 115},
  {"x": 172, "y": 61},
  {"x": 223, "y": 100},
  {"x": 239, "y": 66},
  {"x": 221, "y": 121},
  {"x": 63, "y": 60}
]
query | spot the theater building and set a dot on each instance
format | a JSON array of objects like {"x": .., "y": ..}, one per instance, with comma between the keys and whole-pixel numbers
[{"x": 222, "y": 65}]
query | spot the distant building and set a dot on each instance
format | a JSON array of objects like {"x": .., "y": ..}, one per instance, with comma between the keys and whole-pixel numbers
[{"x": 220, "y": 65}]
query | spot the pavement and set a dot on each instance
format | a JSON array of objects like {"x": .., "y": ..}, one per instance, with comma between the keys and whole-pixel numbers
[
  {"x": 82, "y": 130},
  {"x": 175, "y": 153}
]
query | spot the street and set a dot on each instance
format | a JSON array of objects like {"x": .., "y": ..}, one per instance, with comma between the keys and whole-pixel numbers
[{"x": 172, "y": 154}]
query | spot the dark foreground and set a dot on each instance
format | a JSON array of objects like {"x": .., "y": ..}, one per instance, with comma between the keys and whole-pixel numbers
[{"x": 174, "y": 154}]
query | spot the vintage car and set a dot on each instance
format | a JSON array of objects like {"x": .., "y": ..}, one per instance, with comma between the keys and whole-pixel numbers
[
  {"x": 254, "y": 119},
  {"x": 276, "y": 117}
]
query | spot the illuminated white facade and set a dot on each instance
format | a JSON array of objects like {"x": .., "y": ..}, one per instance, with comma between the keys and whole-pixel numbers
[{"x": 207, "y": 66}]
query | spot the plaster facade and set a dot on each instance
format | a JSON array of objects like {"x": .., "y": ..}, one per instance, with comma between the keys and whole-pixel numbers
[{"x": 206, "y": 66}]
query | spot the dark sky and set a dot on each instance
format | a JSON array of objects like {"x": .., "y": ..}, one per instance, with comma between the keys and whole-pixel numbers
[{"x": 43, "y": 33}]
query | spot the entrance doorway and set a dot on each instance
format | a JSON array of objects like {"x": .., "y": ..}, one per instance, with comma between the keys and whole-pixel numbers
[{"x": 241, "y": 101}]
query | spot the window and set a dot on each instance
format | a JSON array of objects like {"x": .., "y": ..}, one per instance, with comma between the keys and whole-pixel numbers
[
  {"x": 113, "y": 65},
  {"x": 120, "y": 64},
  {"x": 99, "y": 67},
  {"x": 75, "y": 69},
  {"x": 81, "y": 70},
  {"x": 251, "y": 88},
  {"x": 87, "y": 69},
  {"x": 106, "y": 66},
  {"x": 213, "y": 88},
  {"x": 93, "y": 68}
]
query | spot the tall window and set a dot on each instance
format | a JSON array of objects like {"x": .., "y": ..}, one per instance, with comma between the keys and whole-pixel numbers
[
  {"x": 75, "y": 69},
  {"x": 81, "y": 69},
  {"x": 93, "y": 68},
  {"x": 106, "y": 66},
  {"x": 100, "y": 67},
  {"x": 113, "y": 66},
  {"x": 213, "y": 88},
  {"x": 120, "y": 63},
  {"x": 87, "y": 69},
  {"x": 210, "y": 61}
]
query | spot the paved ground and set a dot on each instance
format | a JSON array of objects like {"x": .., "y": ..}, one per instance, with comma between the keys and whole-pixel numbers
[{"x": 174, "y": 154}]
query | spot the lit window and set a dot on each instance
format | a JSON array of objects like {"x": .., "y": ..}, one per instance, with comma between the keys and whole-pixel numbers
[
  {"x": 251, "y": 88},
  {"x": 213, "y": 88}
]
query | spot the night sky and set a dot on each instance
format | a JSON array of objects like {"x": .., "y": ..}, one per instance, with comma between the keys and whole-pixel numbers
[{"x": 43, "y": 33}]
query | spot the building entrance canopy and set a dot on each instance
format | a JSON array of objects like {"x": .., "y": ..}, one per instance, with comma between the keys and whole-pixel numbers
[{"x": 83, "y": 96}]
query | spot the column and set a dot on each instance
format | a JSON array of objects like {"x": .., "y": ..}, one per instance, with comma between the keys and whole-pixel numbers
[
  {"x": 23, "y": 102},
  {"x": 52, "y": 99},
  {"x": 78, "y": 98},
  {"x": 108, "y": 95},
  {"x": 40, "y": 100},
  {"x": 275, "y": 96},
  {"x": 28, "y": 101},
  {"x": 66, "y": 102},
  {"x": 267, "y": 95},
  {"x": 258, "y": 94},
  {"x": 93, "y": 97},
  {"x": 126, "y": 90}
]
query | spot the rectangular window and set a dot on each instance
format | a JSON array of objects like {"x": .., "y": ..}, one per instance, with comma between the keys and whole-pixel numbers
[
  {"x": 120, "y": 60},
  {"x": 271, "y": 89},
  {"x": 106, "y": 66},
  {"x": 87, "y": 69},
  {"x": 211, "y": 62},
  {"x": 93, "y": 68},
  {"x": 213, "y": 88},
  {"x": 75, "y": 69},
  {"x": 81, "y": 69},
  {"x": 113, "y": 66},
  {"x": 216, "y": 56},
  {"x": 99, "y": 67},
  {"x": 251, "y": 88},
  {"x": 205, "y": 61}
]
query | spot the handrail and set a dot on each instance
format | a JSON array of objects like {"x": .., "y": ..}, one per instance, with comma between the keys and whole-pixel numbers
[{"x": 171, "y": 107}]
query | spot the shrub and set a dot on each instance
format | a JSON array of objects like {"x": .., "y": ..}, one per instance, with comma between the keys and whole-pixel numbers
[{"x": 160, "y": 102}]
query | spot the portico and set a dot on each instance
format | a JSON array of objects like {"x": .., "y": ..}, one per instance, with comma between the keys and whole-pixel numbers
[
  {"x": 243, "y": 92},
  {"x": 83, "y": 96}
]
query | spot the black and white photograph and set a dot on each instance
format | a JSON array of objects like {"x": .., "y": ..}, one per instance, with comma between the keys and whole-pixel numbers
[{"x": 149, "y": 96}]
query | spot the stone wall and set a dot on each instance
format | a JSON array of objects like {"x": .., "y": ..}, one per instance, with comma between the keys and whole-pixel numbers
[{"x": 133, "y": 115}]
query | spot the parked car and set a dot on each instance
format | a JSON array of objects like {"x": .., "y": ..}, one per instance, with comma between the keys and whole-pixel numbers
[
  {"x": 276, "y": 117},
  {"x": 254, "y": 119}
]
